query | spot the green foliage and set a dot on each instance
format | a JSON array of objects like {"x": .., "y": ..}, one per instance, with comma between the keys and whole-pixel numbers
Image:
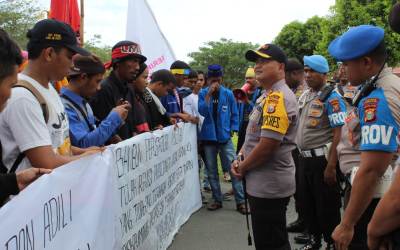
[
  {"x": 227, "y": 53},
  {"x": 299, "y": 39},
  {"x": 348, "y": 13},
  {"x": 18, "y": 16},
  {"x": 313, "y": 37},
  {"x": 94, "y": 46}
]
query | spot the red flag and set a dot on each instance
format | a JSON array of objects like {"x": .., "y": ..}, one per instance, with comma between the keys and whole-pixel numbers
[{"x": 66, "y": 11}]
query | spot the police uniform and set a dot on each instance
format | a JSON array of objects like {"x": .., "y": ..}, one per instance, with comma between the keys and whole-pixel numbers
[
  {"x": 374, "y": 123},
  {"x": 270, "y": 185},
  {"x": 317, "y": 120}
]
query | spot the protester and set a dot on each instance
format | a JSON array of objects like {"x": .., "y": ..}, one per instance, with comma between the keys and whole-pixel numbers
[
  {"x": 268, "y": 167},
  {"x": 190, "y": 102},
  {"x": 202, "y": 81},
  {"x": 142, "y": 114},
  {"x": 321, "y": 118},
  {"x": 294, "y": 77},
  {"x": 217, "y": 105},
  {"x": 160, "y": 83},
  {"x": 10, "y": 60},
  {"x": 378, "y": 108},
  {"x": 173, "y": 101},
  {"x": 36, "y": 109},
  {"x": 84, "y": 80},
  {"x": 252, "y": 93},
  {"x": 192, "y": 79},
  {"x": 115, "y": 90}
]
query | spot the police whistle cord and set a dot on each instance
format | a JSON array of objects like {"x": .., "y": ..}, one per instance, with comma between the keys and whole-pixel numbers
[{"x": 249, "y": 240}]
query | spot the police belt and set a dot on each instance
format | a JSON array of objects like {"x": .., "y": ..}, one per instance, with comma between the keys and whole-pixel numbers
[{"x": 316, "y": 152}]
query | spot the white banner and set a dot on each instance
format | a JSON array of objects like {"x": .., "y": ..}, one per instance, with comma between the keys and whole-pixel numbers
[
  {"x": 135, "y": 195},
  {"x": 142, "y": 27}
]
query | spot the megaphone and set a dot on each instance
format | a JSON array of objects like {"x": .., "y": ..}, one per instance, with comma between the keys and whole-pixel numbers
[{"x": 241, "y": 94}]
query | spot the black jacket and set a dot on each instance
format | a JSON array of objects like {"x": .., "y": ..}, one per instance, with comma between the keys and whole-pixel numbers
[
  {"x": 8, "y": 186},
  {"x": 112, "y": 90},
  {"x": 153, "y": 116}
]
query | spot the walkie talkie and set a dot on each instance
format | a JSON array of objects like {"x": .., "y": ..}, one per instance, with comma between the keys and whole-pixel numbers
[
  {"x": 367, "y": 88},
  {"x": 325, "y": 92}
]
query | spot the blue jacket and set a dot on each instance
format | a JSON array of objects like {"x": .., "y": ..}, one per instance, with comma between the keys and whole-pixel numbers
[
  {"x": 227, "y": 120},
  {"x": 171, "y": 104},
  {"x": 81, "y": 134},
  {"x": 247, "y": 107}
]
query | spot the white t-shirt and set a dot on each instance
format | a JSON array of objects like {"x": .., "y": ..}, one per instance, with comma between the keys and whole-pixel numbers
[
  {"x": 191, "y": 106},
  {"x": 23, "y": 127}
]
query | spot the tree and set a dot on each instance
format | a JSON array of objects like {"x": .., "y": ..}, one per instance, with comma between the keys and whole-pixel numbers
[
  {"x": 299, "y": 39},
  {"x": 18, "y": 16},
  {"x": 94, "y": 46},
  {"x": 227, "y": 53},
  {"x": 348, "y": 13}
]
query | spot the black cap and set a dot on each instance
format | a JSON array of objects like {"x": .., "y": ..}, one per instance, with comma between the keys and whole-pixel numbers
[
  {"x": 267, "y": 51},
  {"x": 86, "y": 64},
  {"x": 52, "y": 32},
  {"x": 293, "y": 64},
  {"x": 394, "y": 18}
]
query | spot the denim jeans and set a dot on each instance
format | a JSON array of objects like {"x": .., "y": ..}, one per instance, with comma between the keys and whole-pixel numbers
[
  {"x": 206, "y": 184},
  {"x": 226, "y": 153}
]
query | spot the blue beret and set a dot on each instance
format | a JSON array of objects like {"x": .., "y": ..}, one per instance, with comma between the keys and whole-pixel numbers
[
  {"x": 317, "y": 63},
  {"x": 356, "y": 42},
  {"x": 214, "y": 70}
]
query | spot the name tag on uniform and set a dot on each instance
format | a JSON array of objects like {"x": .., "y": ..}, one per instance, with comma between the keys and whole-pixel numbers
[
  {"x": 255, "y": 115},
  {"x": 316, "y": 109}
]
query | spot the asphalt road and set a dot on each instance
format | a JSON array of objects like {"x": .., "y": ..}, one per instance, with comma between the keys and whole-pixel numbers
[{"x": 224, "y": 229}]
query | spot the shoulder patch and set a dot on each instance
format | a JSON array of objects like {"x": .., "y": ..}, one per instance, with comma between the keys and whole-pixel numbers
[
  {"x": 335, "y": 105},
  {"x": 275, "y": 117},
  {"x": 370, "y": 106}
]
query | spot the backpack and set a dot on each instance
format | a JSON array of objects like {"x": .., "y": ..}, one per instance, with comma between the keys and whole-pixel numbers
[{"x": 45, "y": 110}]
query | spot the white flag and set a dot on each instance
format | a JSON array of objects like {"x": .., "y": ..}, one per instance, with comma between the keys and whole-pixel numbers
[{"x": 143, "y": 28}]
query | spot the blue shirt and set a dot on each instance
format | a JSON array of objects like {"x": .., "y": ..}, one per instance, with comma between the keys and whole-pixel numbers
[
  {"x": 170, "y": 103},
  {"x": 81, "y": 134},
  {"x": 379, "y": 129}
]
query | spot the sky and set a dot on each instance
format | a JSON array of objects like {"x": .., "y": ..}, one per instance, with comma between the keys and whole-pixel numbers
[{"x": 188, "y": 24}]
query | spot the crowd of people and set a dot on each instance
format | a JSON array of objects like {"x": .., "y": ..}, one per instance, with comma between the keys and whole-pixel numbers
[{"x": 300, "y": 132}]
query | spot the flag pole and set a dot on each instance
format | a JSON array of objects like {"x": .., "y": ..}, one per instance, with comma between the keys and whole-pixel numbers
[{"x": 81, "y": 29}]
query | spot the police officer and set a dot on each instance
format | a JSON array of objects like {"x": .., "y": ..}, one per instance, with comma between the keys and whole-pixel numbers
[
  {"x": 322, "y": 113},
  {"x": 294, "y": 77},
  {"x": 386, "y": 216},
  {"x": 270, "y": 137},
  {"x": 378, "y": 113}
]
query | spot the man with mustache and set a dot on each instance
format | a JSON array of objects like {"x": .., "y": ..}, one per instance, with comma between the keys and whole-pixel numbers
[{"x": 115, "y": 89}]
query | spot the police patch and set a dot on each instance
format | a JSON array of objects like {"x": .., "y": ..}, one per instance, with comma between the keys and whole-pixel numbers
[
  {"x": 370, "y": 115},
  {"x": 335, "y": 105},
  {"x": 370, "y": 106},
  {"x": 271, "y": 108}
]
